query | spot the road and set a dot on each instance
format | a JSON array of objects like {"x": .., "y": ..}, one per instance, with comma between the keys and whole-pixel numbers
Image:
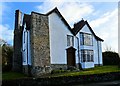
[{"x": 112, "y": 83}]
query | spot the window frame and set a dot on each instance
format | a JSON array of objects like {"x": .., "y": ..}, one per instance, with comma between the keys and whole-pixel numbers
[
  {"x": 82, "y": 39},
  {"x": 69, "y": 43},
  {"x": 87, "y": 55}
]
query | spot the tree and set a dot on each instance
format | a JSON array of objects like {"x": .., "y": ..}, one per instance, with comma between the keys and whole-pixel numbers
[{"x": 7, "y": 54}]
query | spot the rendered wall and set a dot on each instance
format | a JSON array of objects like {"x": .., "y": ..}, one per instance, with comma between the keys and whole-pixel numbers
[{"x": 58, "y": 32}]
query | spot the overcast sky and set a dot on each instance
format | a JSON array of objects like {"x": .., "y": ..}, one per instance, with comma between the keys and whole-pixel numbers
[{"x": 102, "y": 17}]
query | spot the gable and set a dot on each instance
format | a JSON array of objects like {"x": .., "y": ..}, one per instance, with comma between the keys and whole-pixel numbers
[
  {"x": 85, "y": 29},
  {"x": 84, "y": 26},
  {"x": 55, "y": 10}
]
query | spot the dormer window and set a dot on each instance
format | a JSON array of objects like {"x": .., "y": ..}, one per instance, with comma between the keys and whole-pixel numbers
[
  {"x": 86, "y": 39},
  {"x": 70, "y": 40}
]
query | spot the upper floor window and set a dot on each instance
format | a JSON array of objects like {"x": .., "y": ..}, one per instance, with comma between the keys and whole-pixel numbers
[
  {"x": 70, "y": 40},
  {"x": 86, "y": 39}
]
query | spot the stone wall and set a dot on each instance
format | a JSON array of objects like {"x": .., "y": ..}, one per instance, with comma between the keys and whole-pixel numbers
[
  {"x": 17, "y": 58},
  {"x": 59, "y": 66},
  {"x": 40, "y": 49},
  {"x": 65, "y": 81}
]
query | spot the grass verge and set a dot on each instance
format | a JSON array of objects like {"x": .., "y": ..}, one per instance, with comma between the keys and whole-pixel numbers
[
  {"x": 12, "y": 75},
  {"x": 96, "y": 70}
]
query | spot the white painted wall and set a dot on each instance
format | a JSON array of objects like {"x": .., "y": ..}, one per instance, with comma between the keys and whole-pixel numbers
[
  {"x": 26, "y": 51},
  {"x": 58, "y": 32},
  {"x": 87, "y": 64},
  {"x": 100, "y": 52},
  {"x": 95, "y": 51}
]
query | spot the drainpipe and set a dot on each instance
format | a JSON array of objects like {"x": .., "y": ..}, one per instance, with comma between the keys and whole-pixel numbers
[
  {"x": 27, "y": 55},
  {"x": 27, "y": 47},
  {"x": 78, "y": 54}
]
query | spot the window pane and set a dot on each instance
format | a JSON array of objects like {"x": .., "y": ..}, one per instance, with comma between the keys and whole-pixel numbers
[
  {"x": 81, "y": 39},
  {"x": 70, "y": 40}
]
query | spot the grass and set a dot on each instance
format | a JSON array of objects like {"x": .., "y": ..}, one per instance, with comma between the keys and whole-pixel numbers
[
  {"x": 96, "y": 70},
  {"x": 12, "y": 75}
]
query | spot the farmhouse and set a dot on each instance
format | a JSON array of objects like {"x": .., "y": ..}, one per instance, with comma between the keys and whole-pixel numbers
[{"x": 43, "y": 42}]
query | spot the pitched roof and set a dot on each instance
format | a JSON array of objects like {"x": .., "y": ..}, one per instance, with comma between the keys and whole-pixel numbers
[
  {"x": 78, "y": 26},
  {"x": 62, "y": 18}
]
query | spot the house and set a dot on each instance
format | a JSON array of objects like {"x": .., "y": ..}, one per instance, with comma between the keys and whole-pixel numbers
[{"x": 43, "y": 42}]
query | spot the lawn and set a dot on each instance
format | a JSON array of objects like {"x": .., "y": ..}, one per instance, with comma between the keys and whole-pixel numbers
[
  {"x": 12, "y": 75},
  {"x": 96, "y": 70}
]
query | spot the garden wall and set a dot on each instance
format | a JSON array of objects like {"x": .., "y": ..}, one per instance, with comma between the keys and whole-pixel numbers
[{"x": 70, "y": 80}]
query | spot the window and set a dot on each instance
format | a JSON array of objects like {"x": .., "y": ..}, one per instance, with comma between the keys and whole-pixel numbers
[
  {"x": 70, "y": 40},
  {"x": 87, "y": 55},
  {"x": 86, "y": 39},
  {"x": 24, "y": 37}
]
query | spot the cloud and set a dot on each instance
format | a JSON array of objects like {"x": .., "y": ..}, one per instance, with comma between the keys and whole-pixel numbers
[
  {"x": 106, "y": 26},
  {"x": 76, "y": 13},
  {"x": 104, "y": 18},
  {"x": 72, "y": 11},
  {"x": 6, "y": 33},
  {"x": 2, "y": 9}
]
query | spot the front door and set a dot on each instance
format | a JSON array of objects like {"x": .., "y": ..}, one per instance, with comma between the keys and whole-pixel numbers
[{"x": 71, "y": 56}]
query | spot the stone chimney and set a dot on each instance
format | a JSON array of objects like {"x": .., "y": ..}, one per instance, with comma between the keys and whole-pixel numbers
[
  {"x": 40, "y": 48},
  {"x": 17, "y": 55}
]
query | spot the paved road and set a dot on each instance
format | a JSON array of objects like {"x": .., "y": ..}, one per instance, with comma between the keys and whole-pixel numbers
[{"x": 112, "y": 83}]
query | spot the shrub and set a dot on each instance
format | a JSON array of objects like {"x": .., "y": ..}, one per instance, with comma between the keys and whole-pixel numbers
[
  {"x": 58, "y": 71},
  {"x": 110, "y": 58}
]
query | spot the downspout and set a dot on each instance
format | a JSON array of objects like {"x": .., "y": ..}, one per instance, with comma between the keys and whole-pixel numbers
[
  {"x": 27, "y": 48},
  {"x": 78, "y": 54},
  {"x": 27, "y": 54}
]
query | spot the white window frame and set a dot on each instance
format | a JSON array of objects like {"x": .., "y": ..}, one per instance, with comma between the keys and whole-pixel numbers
[
  {"x": 86, "y": 39},
  {"x": 70, "y": 40},
  {"x": 87, "y": 55}
]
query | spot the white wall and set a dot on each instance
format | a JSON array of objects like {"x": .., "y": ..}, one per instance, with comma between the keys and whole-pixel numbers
[
  {"x": 58, "y": 42},
  {"x": 100, "y": 52},
  {"x": 26, "y": 47},
  {"x": 87, "y": 64},
  {"x": 58, "y": 39},
  {"x": 95, "y": 51}
]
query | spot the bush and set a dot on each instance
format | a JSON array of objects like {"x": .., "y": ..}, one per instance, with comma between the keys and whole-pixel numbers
[
  {"x": 58, "y": 71},
  {"x": 7, "y": 54},
  {"x": 110, "y": 58},
  {"x": 6, "y": 68}
]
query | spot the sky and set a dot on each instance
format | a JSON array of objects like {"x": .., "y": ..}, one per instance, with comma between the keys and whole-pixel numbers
[{"x": 101, "y": 16}]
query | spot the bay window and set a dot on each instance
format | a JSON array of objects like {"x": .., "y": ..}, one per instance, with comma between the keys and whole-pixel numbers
[{"x": 87, "y": 55}]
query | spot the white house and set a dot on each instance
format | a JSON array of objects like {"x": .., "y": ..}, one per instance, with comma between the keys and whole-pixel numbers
[
  {"x": 81, "y": 37},
  {"x": 66, "y": 46}
]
